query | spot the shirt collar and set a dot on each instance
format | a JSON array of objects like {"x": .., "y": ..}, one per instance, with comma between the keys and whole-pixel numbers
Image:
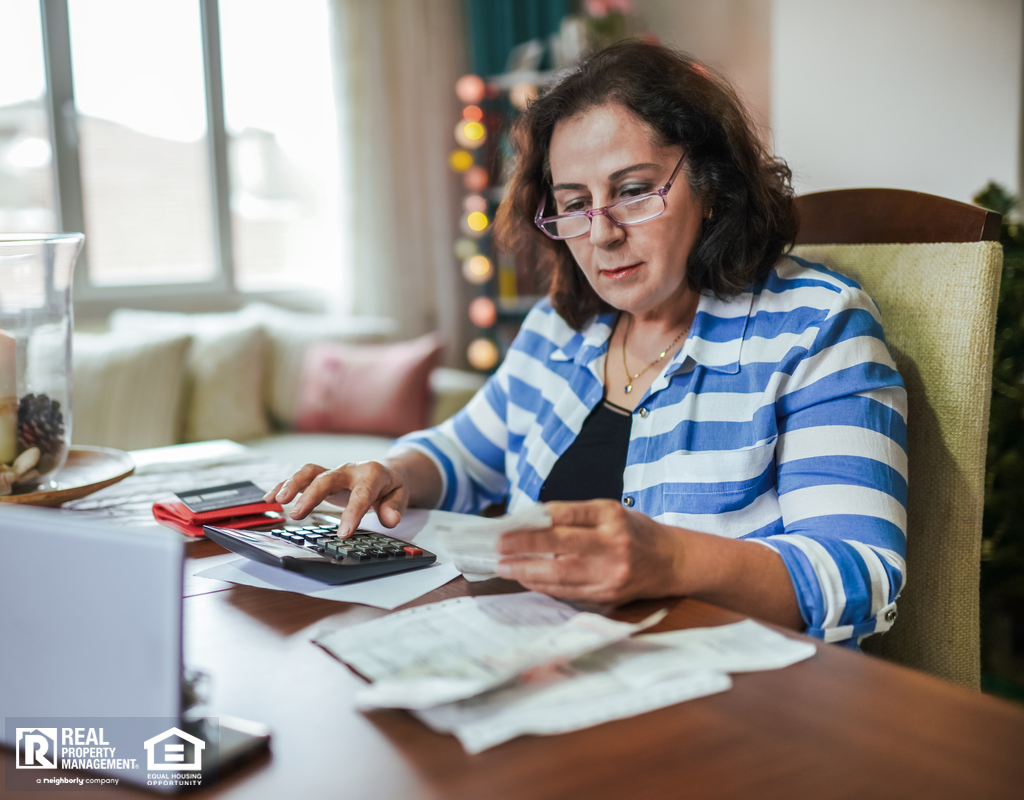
[
  {"x": 715, "y": 340},
  {"x": 716, "y": 335},
  {"x": 586, "y": 345}
]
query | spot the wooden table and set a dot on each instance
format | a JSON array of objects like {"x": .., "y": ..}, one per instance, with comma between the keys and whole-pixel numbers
[{"x": 841, "y": 724}]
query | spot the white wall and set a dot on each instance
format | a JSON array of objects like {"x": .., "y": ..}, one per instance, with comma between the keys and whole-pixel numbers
[
  {"x": 731, "y": 36},
  {"x": 910, "y": 94}
]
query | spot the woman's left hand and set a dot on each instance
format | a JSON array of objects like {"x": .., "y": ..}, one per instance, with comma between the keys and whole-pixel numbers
[{"x": 596, "y": 551}]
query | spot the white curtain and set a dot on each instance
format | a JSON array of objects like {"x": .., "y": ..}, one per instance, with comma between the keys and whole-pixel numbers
[{"x": 396, "y": 63}]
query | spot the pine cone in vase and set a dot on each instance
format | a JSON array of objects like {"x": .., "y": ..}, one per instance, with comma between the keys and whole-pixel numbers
[{"x": 41, "y": 424}]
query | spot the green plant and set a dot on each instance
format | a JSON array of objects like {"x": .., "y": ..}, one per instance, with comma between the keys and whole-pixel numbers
[{"x": 1002, "y": 573}]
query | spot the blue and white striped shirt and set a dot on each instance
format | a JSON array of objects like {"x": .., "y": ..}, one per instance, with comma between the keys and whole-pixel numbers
[{"x": 781, "y": 420}]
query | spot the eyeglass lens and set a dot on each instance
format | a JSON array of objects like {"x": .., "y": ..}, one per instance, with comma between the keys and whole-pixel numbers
[{"x": 628, "y": 213}]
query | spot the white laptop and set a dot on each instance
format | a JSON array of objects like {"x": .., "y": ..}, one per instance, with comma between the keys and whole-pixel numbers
[{"x": 91, "y": 673}]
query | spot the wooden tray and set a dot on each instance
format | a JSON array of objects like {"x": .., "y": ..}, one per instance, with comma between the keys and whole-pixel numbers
[{"x": 87, "y": 470}]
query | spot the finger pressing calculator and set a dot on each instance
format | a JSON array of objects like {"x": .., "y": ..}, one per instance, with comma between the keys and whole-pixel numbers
[{"x": 316, "y": 551}]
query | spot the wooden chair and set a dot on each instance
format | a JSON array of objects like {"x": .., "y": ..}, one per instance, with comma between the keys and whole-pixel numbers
[{"x": 933, "y": 266}]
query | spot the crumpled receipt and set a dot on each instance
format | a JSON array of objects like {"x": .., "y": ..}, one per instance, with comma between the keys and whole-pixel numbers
[
  {"x": 456, "y": 649},
  {"x": 473, "y": 544}
]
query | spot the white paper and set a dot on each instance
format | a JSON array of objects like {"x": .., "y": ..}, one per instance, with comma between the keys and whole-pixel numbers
[
  {"x": 629, "y": 677},
  {"x": 745, "y": 646},
  {"x": 443, "y": 652},
  {"x": 473, "y": 541},
  {"x": 572, "y": 700},
  {"x": 388, "y": 592}
]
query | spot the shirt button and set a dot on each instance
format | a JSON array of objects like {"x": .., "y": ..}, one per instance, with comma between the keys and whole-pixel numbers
[
  {"x": 644, "y": 412},
  {"x": 890, "y": 615},
  {"x": 628, "y": 501}
]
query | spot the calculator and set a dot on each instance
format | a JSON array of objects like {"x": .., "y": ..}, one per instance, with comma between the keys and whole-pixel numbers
[{"x": 316, "y": 551}]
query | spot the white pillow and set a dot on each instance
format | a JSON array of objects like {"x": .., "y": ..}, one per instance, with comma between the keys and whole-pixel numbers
[
  {"x": 128, "y": 391},
  {"x": 226, "y": 366}
]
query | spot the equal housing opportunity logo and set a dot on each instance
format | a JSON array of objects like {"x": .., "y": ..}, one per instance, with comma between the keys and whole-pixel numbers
[{"x": 173, "y": 756}]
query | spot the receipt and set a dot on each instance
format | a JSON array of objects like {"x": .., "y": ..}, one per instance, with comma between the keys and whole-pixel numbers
[
  {"x": 573, "y": 698},
  {"x": 626, "y": 678},
  {"x": 473, "y": 542},
  {"x": 448, "y": 651}
]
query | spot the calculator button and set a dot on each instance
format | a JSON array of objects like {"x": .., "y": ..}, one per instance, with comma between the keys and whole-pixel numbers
[
  {"x": 314, "y": 537},
  {"x": 278, "y": 532},
  {"x": 413, "y": 551},
  {"x": 296, "y": 538},
  {"x": 356, "y": 555}
]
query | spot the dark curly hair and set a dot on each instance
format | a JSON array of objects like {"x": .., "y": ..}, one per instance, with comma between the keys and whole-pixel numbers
[{"x": 727, "y": 167}]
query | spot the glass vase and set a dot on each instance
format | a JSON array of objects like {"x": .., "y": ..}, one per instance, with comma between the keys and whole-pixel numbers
[{"x": 36, "y": 276}]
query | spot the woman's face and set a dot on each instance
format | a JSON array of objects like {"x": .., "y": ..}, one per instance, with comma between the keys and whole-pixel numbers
[{"x": 608, "y": 154}]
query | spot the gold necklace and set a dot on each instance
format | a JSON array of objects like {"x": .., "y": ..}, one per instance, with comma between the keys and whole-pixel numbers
[{"x": 665, "y": 352}]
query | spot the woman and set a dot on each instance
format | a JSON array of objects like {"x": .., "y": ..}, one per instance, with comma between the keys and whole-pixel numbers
[{"x": 704, "y": 415}]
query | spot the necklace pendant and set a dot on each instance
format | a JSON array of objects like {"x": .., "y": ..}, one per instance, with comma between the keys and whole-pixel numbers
[{"x": 629, "y": 388}]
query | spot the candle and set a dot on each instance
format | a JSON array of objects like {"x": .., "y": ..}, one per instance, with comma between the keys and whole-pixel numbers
[{"x": 8, "y": 399}]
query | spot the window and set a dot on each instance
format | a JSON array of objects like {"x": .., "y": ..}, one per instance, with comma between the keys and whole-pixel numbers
[
  {"x": 26, "y": 165},
  {"x": 195, "y": 142}
]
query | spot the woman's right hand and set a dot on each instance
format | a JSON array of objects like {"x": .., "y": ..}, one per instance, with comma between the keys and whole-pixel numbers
[{"x": 358, "y": 487}]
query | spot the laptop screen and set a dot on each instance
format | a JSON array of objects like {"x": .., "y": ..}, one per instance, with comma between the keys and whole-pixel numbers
[{"x": 91, "y": 621}]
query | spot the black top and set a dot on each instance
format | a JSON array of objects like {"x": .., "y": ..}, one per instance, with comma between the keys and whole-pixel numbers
[{"x": 592, "y": 466}]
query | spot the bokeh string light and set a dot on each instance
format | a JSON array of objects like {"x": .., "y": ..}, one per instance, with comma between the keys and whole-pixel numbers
[
  {"x": 477, "y": 269},
  {"x": 483, "y": 312},
  {"x": 477, "y": 222},
  {"x": 475, "y": 202},
  {"x": 482, "y": 354},
  {"x": 475, "y": 179},
  {"x": 460, "y": 160},
  {"x": 465, "y": 248},
  {"x": 471, "y": 134},
  {"x": 470, "y": 89}
]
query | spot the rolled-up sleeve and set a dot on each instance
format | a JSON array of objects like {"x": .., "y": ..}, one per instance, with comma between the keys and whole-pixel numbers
[{"x": 841, "y": 460}]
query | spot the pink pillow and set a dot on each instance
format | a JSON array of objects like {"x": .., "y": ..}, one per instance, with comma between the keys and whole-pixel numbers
[{"x": 373, "y": 389}]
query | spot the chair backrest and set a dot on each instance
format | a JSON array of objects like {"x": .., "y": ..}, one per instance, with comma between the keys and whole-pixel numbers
[{"x": 933, "y": 266}]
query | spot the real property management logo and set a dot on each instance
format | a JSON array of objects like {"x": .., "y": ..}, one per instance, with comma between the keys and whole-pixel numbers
[
  {"x": 36, "y": 748},
  {"x": 67, "y": 748}
]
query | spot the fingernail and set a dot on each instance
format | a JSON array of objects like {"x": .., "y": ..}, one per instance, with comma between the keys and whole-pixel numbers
[{"x": 504, "y": 570}]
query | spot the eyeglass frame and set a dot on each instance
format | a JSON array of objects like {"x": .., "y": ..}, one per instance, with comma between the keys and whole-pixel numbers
[{"x": 540, "y": 220}]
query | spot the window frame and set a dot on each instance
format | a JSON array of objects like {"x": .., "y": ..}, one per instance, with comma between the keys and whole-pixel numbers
[{"x": 218, "y": 293}]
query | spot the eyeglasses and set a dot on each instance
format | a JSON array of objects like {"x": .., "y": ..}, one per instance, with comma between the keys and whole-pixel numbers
[{"x": 631, "y": 211}]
